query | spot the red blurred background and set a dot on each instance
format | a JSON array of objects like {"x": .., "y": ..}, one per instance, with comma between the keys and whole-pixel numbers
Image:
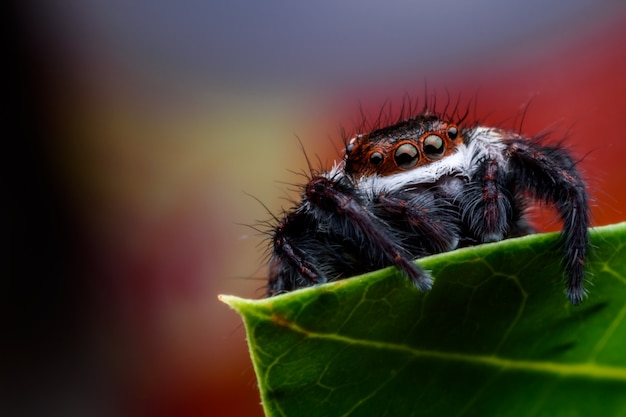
[{"x": 135, "y": 133}]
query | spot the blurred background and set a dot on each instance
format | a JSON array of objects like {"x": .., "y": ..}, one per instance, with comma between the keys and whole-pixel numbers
[{"x": 135, "y": 131}]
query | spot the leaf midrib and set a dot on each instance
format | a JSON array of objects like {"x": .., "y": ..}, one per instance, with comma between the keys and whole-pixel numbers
[{"x": 585, "y": 369}]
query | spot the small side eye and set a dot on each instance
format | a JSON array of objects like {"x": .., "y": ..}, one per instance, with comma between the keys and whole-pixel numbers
[
  {"x": 349, "y": 148},
  {"x": 453, "y": 132},
  {"x": 433, "y": 147},
  {"x": 376, "y": 158},
  {"x": 406, "y": 156}
]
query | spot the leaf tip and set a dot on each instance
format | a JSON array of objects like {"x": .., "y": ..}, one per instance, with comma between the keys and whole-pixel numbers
[{"x": 232, "y": 301}]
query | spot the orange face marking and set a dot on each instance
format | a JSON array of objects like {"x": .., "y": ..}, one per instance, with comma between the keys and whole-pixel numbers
[{"x": 415, "y": 142}]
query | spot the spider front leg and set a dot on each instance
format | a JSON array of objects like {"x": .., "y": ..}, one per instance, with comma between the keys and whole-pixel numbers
[
  {"x": 486, "y": 207},
  {"x": 425, "y": 221},
  {"x": 549, "y": 174},
  {"x": 331, "y": 235},
  {"x": 338, "y": 198}
]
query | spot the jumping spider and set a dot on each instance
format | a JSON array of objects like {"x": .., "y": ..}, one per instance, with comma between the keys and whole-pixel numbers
[{"x": 422, "y": 186}]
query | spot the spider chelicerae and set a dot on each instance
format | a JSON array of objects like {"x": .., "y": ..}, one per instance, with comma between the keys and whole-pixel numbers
[{"x": 421, "y": 186}]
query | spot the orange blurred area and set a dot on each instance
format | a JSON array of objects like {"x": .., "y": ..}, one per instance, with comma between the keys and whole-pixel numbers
[{"x": 137, "y": 184}]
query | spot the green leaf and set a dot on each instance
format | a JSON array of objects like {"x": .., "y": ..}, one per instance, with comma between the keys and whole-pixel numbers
[{"x": 495, "y": 336}]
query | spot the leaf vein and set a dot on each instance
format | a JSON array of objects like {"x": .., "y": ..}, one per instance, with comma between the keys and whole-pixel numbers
[{"x": 588, "y": 369}]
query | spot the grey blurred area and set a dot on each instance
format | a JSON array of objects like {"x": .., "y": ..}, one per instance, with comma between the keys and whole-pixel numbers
[{"x": 307, "y": 43}]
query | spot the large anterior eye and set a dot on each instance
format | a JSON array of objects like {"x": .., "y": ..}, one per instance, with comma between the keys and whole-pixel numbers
[
  {"x": 433, "y": 147},
  {"x": 406, "y": 155}
]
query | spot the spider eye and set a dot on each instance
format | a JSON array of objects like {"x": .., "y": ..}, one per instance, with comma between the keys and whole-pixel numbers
[
  {"x": 349, "y": 148},
  {"x": 453, "y": 132},
  {"x": 433, "y": 147},
  {"x": 406, "y": 156},
  {"x": 376, "y": 158}
]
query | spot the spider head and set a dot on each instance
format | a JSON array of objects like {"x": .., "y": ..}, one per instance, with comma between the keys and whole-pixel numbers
[{"x": 414, "y": 142}]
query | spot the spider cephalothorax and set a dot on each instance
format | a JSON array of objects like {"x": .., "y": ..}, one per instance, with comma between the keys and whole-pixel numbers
[
  {"x": 423, "y": 186},
  {"x": 415, "y": 142}
]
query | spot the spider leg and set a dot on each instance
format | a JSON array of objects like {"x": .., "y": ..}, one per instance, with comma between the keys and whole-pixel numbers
[
  {"x": 332, "y": 197},
  {"x": 550, "y": 174},
  {"x": 486, "y": 207},
  {"x": 428, "y": 222},
  {"x": 289, "y": 267}
]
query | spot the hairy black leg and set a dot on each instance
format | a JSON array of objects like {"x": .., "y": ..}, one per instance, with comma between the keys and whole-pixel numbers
[
  {"x": 290, "y": 268},
  {"x": 337, "y": 199},
  {"x": 486, "y": 206},
  {"x": 426, "y": 223},
  {"x": 550, "y": 174}
]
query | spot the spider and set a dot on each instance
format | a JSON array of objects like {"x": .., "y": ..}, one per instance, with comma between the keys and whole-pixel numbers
[{"x": 422, "y": 186}]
